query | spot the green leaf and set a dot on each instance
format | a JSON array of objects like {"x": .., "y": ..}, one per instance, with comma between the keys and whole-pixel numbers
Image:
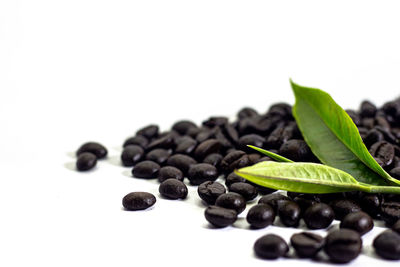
[
  {"x": 334, "y": 138},
  {"x": 300, "y": 177},
  {"x": 271, "y": 154}
]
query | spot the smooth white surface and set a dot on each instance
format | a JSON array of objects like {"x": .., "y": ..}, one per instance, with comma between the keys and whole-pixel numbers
[{"x": 73, "y": 71}]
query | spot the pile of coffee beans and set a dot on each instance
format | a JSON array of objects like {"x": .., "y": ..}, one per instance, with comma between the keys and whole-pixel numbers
[{"x": 202, "y": 153}]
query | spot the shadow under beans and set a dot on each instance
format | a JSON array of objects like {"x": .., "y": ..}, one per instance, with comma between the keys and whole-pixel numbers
[{"x": 115, "y": 160}]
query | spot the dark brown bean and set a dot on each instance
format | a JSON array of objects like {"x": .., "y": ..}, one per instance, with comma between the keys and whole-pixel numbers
[
  {"x": 146, "y": 169},
  {"x": 343, "y": 246},
  {"x": 167, "y": 172},
  {"x": 270, "y": 246},
  {"x": 86, "y": 161},
  {"x": 207, "y": 147},
  {"x": 95, "y": 148},
  {"x": 231, "y": 201},
  {"x": 306, "y": 244},
  {"x": 131, "y": 155},
  {"x": 138, "y": 201},
  {"x": 209, "y": 191},
  {"x": 201, "y": 172},
  {"x": 360, "y": 222},
  {"x": 260, "y": 216},
  {"x": 173, "y": 189},
  {"x": 219, "y": 216}
]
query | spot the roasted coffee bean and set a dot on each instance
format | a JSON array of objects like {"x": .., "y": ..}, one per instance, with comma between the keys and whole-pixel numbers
[
  {"x": 137, "y": 140},
  {"x": 260, "y": 216},
  {"x": 307, "y": 244},
  {"x": 86, "y": 161},
  {"x": 390, "y": 212},
  {"x": 383, "y": 151},
  {"x": 395, "y": 173},
  {"x": 173, "y": 189},
  {"x": 372, "y": 137},
  {"x": 289, "y": 213},
  {"x": 138, "y": 201},
  {"x": 391, "y": 108},
  {"x": 146, "y": 169},
  {"x": 207, "y": 147},
  {"x": 167, "y": 172},
  {"x": 387, "y": 134},
  {"x": 360, "y": 222},
  {"x": 275, "y": 139},
  {"x": 181, "y": 161},
  {"x": 209, "y": 191},
  {"x": 182, "y": 127},
  {"x": 246, "y": 112},
  {"x": 296, "y": 150},
  {"x": 270, "y": 246},
  {"x": 204, "y": 134},
  {"x": 131, "y": 155},
  {"x": 234, "y": 160},
  {"x": 223, "y": 140},
  {"x": 246, "y": 190},
  {"x": 367, "y": 109},
  {"x": 219, "y": 216},
  {"x": 342, "y": 207},
  {"x": 149, "y": 131},
  {"x": 213, "y": 159},
  {"x": 158, "y": 155},
  {"x": 233, "y": 178},
  {"x": 387, "y": 245},
  {"x": 201, "y": 172},
  {"x": 250, "y": 139},
  {"x": 318, "y": 216},
  {"x": 343, "y": 246},
  {"x": 371, "y": 204},
  {"x": 231, "y": 201},
  {"x": 283, "y": 110},
  {"x": 253, "y": 158},
  {"x": 95, "y": 148},
  {"x": 215, "y": 121},
  {"x": 274, "y": 200},
  {"x": 396, "y": 227},
  {"x": 186, "y": 146},
  {"x": 230, "y": 132},
  {"x": 165, "y": 141}
]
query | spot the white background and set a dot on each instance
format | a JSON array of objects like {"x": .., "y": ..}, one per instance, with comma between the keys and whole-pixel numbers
[{"x": 74, "y": 71}]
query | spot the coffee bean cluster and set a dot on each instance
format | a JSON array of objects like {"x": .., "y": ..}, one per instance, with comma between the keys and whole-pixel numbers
[{"x": 202, "y": 153}]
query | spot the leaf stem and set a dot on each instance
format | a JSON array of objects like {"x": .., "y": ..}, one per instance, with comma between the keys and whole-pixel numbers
[{"x": 384, "y": 189}]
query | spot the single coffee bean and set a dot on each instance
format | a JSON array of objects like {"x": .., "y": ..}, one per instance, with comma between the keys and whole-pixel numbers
[
  {"x": 246, "y": 112},
  {"x": 387, "y": 245},
  {"x": 182, "y": 127},
  {"x": 371, "y": 204},
  {"x": 342, "y": 207},
  {"x": 158, "y": 155},
  {"x": 214, "y": 159},
  {"x": 86, "y": 161},
  {"x": 246, "y": 190},
  {"x": 131, "y": 155},
  {"x": 201, "y": 172},
  {"x": 149, "y": 131},
  {"x": 260, "y": 216},
  {"x": 274, "y": 200},
  {"x": 373, "y": 136},
  {"x": 307, "y": 244},
  {"x": 167, "y": 172},
  {"x": 220, "y": 217},
  {"x": 318, "y": 216},
  {"x": 173, "y": 189},
  {"x": 137, "y": 140},
  {"x": 360, "y": 222},
  {"x": 209, "y": 191},
  {"x": 165, "y": 141},
  {"x": 250, "y": 139},
  {"x": 233, "y": 178},
  {"x": 138, "y": 201},
  {"x": 186, "y": 146},
  {"x": 215, "y": 121},
  {"x": 390, "y": 212},
  {"x": 146, "y": 169},
  {"x": 270, "y": 246},
  {"x": 204, "y": 134},
  {"x": 367, "y": 109},
  {"x": 396, "y": 227},
  {"x": 231, "y": 160},
  {"x": 343, "y": 246},
  {"x": 95, "y": 148},
  {"x": 296, "y": 150},
  {"x": 207, "y": 147},
  {"x": 182, "y": 162},
  {"x": 231, "y": 201},
  {"x": 383, "y": 151},
  {"x": 289, "y": 213}
]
